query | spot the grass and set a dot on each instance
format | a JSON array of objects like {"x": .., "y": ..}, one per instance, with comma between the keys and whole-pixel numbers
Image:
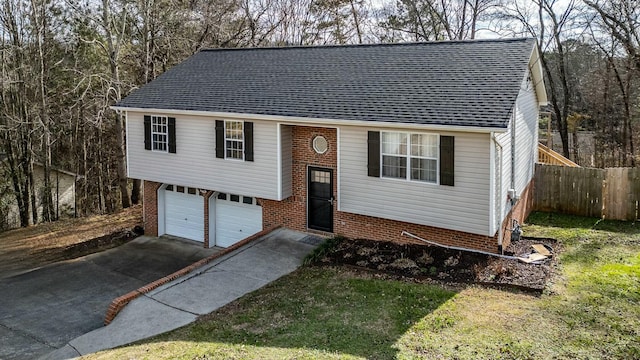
[{"x": 591, "y": 311}]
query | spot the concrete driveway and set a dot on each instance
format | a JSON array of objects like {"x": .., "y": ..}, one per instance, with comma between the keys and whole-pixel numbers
[
  {"x": 44, "y": 309},
  {"x": 205, "y": 289}
]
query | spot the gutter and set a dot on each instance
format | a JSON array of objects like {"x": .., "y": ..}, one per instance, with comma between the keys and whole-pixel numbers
[
  {"x": 297, "y": 119},
  {"x": 500, "y": 151}
]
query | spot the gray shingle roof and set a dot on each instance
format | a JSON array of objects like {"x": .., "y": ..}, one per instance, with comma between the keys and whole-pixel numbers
[{"x": 461, "y": 83}]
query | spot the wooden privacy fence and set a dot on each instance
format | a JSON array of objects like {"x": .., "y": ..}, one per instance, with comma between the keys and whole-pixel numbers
[{"x": 612, "y": 193}]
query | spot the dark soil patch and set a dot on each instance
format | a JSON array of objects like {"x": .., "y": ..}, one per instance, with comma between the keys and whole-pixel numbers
[
  {"x": 99, "y": 244},
  {"x": 445, "y": 265}
]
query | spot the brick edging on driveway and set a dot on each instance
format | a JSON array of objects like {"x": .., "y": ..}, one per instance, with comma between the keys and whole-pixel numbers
[{"x": 120, "y": 302}]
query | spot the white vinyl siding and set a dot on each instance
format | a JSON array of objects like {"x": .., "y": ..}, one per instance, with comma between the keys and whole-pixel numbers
[
  {"x": 525, "y": 120},
  {"x": 463, "y": 207},
  {"x": 505, "y": 140},
  {"x": 195, "y": 164},
  {"x": 286, "y": 160}
]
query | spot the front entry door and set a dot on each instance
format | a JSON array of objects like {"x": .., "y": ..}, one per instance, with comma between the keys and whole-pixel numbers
[{"x": 320, "y": 203}]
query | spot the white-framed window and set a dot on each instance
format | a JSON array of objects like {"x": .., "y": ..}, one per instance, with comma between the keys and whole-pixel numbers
[
  {"x": 159, "y": 133},
  {"x": 410, "y": 156},
  {"x": 233, "y": 140}
]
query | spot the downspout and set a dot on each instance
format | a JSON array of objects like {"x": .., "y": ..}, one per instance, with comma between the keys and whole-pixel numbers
[
  {"x": 513, "y": 152},
  {"x": 499, "y": 185}
]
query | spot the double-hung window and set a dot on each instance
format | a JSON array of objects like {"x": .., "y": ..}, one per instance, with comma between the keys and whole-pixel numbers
[
  {"x": 410, "y": 156},
  {"x": 234, "y": 140},
  {"x": 159, "y": 133}
]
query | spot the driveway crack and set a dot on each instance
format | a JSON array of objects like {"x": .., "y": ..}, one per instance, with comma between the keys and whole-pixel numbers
[
  {"x": 171, "y": 306},
  {"x": 27, "y": 335},
  {"x": 74, "y": 349}
]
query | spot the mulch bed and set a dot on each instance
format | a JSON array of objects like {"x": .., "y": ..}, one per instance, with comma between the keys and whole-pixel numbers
[{"x": 446, "y": 265}]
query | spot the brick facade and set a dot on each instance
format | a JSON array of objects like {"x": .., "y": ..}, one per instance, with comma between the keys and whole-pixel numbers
[
  {"x": 519, "y": 212},
  {"x": 207, "y": 196},
  {"x": 150, "y": 207},
  {"x": 292, "y": 212}
]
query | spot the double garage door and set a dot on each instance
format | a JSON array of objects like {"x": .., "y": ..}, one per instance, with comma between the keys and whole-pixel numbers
[{"x": 231, "y": 217}]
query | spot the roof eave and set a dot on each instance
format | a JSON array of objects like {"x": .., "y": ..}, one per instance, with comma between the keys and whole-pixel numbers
[
  {"x": 537, "y": 75},
  {"x": 322, "y": 121}
]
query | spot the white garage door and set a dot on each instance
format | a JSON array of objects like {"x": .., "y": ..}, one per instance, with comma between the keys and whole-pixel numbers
[
  {"x": 184, "y": 213},
  {"x": 237, "y": 217}
]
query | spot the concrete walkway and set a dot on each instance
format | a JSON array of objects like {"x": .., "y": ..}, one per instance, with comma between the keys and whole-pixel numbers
[{"x": 206, "y": 289}]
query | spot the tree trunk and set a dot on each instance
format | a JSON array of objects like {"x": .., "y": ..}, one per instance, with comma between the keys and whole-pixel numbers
[
  {"x": 38, "y": 16},
  {"x": 121, "y": 162},
  {"x": 113, "y": 55},
  {"x": 135, "y": 191}
]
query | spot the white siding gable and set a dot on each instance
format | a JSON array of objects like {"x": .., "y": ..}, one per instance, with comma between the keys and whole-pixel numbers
[{"x": 463, "y": 207}]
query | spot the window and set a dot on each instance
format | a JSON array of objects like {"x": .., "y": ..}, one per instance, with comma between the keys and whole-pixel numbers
[
  {"x": 159, "y": 133},
  {"x": 322, "y": 177},
  {"x": 247, "y": 200},
  {"x": 234, "y": 140},
  {"x": 320, "y": 144},
  {"x": 234, "y": 198},
  {"x": 410, "y": 156},
  {"x": 222, "y": 196}
]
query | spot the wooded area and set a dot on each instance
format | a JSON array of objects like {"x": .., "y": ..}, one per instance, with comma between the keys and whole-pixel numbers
[
  {"x": 611, "y": 193},
  {"x": 64, "y": 62}
]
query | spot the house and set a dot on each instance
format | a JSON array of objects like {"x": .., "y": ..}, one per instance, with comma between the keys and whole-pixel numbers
[
  {"x": 63, "y": 192},
  {"x": 437, "y": 139}
]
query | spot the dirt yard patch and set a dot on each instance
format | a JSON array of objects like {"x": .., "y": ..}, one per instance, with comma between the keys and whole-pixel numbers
[
  {"x": 445, "y": 265},
  {"x": 39, "y": 245}
]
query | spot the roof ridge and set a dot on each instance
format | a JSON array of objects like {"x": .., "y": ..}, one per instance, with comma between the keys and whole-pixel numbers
[{"x": 398, "y": 44}]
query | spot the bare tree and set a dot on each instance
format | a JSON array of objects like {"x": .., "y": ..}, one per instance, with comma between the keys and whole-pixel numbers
[
  {"x": 551, "y": 24},
  {"x": 622, "y": 19},
  {"x": 624, "y": 69},
  {"x": 16, "y": 124},
  {"x": 430, "y": 20}
]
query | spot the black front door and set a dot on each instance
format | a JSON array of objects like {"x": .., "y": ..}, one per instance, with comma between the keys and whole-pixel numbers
[{"x": 320, "y": 199}]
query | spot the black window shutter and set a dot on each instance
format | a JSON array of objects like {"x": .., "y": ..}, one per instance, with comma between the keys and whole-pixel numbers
[
  {"x": 447, "y": 160},
  {"x": 172, "y": 134},
  {"x": 147, "y": 132},
  {"x": 248, "y": 141},
  {"x": 373, "y": 163},
  {"x": 220, "y": 139}
]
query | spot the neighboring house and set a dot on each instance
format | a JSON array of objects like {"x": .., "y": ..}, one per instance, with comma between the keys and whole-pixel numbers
[
  {"x": 437, "y": 139},
  {"x": 63, "y": 190}
]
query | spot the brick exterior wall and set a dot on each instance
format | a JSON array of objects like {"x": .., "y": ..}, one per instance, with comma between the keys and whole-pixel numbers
[
  {"x": 150, "y": 207},
  {"x": 520, "y": 211},
  {"x": 207, "y": 195},
  {"x": 292, "y": 211}
]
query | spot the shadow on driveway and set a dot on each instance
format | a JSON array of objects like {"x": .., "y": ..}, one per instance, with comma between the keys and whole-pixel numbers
[{"x": 44, "y": 309}]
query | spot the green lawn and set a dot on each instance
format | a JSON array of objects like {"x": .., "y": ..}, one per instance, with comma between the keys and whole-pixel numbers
[{"x": 591, "y": 310}]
